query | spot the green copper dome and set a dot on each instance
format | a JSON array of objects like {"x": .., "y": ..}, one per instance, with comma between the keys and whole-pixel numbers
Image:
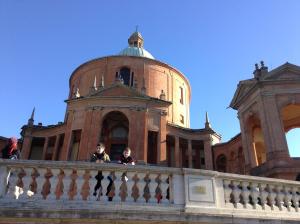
[
  {"x": 135, "y": 48},
  {"x": 136, "y": 51}
]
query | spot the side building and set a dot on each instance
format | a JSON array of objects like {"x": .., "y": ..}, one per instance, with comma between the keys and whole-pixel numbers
[{"x": 268, "y": 107}]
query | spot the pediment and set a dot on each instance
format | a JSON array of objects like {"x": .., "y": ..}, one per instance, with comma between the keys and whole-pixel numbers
[
  {"x": 243, "y": 88},
  {"x": 286, "y": 71},
  {"x": 117, "y": 90}
]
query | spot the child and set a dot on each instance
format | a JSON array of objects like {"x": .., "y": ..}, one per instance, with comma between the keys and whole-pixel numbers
[
  {"x": 126, "y": 158},
  {"x": 100, "y": 156}
]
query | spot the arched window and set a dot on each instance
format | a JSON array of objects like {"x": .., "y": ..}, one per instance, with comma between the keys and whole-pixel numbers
[
  {"x": 125, "y": 75},
  {"x": 221, "y": 163}
]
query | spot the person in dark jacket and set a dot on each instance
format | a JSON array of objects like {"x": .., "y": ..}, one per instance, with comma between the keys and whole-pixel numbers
[
  {"x": 126, "y": 158},
  {"x": 11, "y": 151},
  {"x": 100, "y": 156}
]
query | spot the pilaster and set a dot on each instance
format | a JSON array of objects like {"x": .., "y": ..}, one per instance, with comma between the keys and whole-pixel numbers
[{"x": 190, "y": 153}]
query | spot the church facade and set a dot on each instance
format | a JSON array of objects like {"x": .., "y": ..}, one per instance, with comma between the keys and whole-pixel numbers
[{"x": 132, "y": 99}]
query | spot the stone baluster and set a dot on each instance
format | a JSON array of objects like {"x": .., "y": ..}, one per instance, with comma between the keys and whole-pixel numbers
[
  {"x": 279, "y": 198},
  {"x": 295, "y": 198},
  {"x": 152, "y": 188},
  {"x": 53, "y": 183},
  {"x": 263, "y": 194},
  {"x": 164, "y": 186},
  {"x": 79, "y": 183},
  {"x": 117, "y": 182},
  {"x": 129, "y": 184},
  {"x": 245, "y": 195},
  {"x": 254, "y": 194},
  {"x": 141, "y": 186},
  {"x": 287, "y": 197},
  {"x": 271, "y": 196},
  {"x": 26, "y": 193},
  {"x": 93, "y": 182},
  {"x": 86, "y": 189},
  {"x": 227, "y": 192},
  {"x": 105, "y": 182},
  {"x": 66, "y": 184},
  {"x": 4, "y": 172},
  {"x": 236, "y": 192},
  {"x": 12, "y": 182},
  {"x": 40, "y": 180}
]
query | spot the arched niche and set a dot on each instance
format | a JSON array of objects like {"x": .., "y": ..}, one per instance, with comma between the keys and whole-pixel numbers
[
  {"x": 221, "y": 163},
  {"x": 114, "y": 133}
]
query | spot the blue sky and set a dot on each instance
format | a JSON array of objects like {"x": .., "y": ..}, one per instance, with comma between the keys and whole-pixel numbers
[{"x": 214, "y": 43}]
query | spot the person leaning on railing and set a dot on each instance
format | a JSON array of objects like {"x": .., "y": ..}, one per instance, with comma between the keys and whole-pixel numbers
[
  {"x": 125, "y": 158},
  {"x": 100, "y": 156}
]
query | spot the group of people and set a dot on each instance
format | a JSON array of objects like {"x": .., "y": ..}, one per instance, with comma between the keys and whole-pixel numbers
[{"x": 100, "y": 156}]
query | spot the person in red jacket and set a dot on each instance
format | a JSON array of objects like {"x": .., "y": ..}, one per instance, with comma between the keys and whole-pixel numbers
[{"x": 11, "y": 151}]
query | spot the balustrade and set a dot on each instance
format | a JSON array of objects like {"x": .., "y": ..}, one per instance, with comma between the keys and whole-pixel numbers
[{"x": 84, "y": 183}]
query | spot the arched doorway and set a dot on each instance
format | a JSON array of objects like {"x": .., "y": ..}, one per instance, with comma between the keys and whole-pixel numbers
[
  {"x": 114, "y": 133},
  {"x": 290, "y": 115},
  {"x": 221, "y": 163}
]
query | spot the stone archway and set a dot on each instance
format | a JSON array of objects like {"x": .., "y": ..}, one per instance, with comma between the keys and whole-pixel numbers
[
  {"x": 114, "y": 133},
  {"x": 290, "y": 115}
]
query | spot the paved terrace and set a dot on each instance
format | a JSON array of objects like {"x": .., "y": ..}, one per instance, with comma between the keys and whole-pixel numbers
[{"x": 63, "y": 192}]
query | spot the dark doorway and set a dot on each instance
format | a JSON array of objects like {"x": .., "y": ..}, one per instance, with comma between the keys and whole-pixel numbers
[
  {"x": 116, "y": 151},
  {"x": 152, "y": 147},
  {"x": 37, "y": 146}
]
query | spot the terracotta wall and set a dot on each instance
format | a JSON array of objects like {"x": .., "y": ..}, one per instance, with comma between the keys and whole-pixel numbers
[{"x": 157, "y": 77}]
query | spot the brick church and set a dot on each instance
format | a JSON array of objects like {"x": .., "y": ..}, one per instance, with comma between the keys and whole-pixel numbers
[{"x": 132, "y": 99}]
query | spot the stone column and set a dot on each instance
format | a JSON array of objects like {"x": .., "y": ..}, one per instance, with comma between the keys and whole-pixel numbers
[
  {"x": 208, "y": 154},
  {"x": 26, "y": 146},
  {"x": 250, "y": 159},
  {"x": 162, "y": 141},
  {"x": 190, "y": 153},
  {"x": 273, "y": 130},
  {"x": 45, "y": 147},
  {"x": 177, "y": 152},
  {"x": 83, "y": 153},
  {"x": 138, "y": 134},
  {"x": 68, "y": 137},
  {"x": 95, "y": 131},
  {"x": 56, "y": 145}
]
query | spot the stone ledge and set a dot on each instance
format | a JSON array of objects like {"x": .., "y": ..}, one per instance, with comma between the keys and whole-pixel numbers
[{"x": 120, "y": 213}]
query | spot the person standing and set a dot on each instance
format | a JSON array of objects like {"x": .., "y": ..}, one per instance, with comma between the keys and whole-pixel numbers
[
  {"x": 11, "y": 151},
  {"x": 100, "y": 156}
]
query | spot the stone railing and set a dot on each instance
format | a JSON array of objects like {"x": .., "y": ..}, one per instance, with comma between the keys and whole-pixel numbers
[{"x": 84, "y": 190}]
